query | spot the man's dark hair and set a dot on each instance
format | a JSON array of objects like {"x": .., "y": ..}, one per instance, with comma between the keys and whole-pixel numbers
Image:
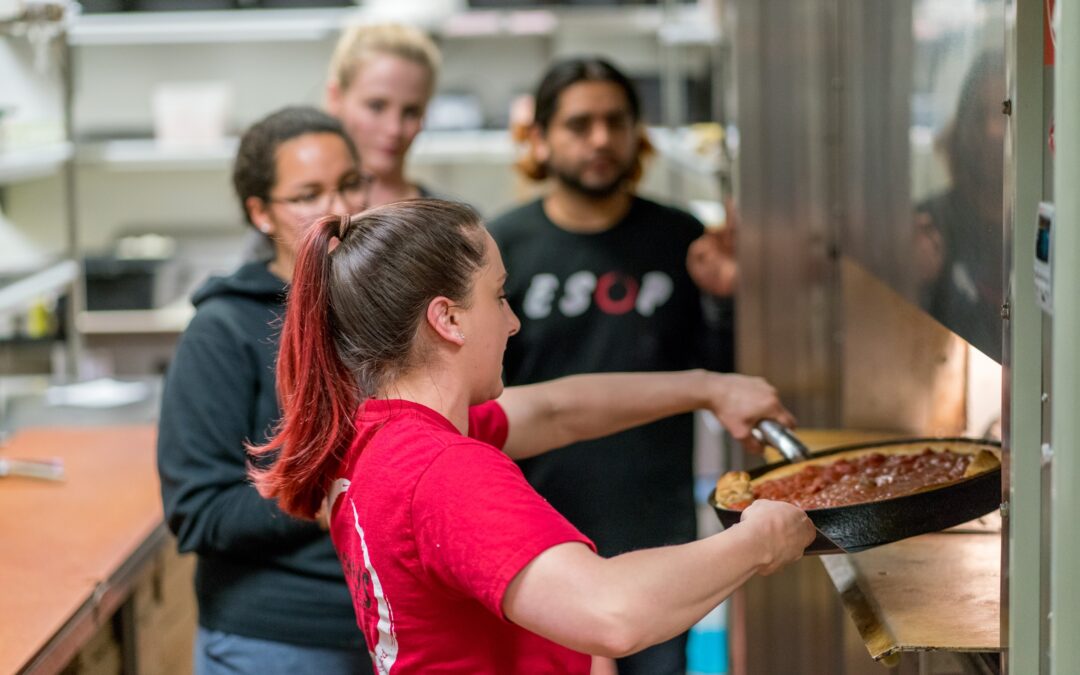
[{"x": 563, "y": 74}]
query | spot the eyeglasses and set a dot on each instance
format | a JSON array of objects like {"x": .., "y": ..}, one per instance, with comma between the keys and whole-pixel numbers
[{"x": 353, "y": 190}]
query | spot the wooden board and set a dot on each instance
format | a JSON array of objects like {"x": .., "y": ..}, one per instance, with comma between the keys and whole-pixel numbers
[
  {"x": 935, "y": 592},
  {"x": 62, "y": 544}
]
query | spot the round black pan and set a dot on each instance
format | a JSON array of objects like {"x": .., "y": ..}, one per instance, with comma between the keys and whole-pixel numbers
[{"x": 857, "y": 527}]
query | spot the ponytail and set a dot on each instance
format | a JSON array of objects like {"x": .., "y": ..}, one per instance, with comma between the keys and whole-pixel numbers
[
  {"x": 351, "y": 329},
  {"x": 318, "y": 394}
]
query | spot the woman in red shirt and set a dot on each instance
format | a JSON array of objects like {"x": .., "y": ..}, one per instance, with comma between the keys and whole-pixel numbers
[{"x": 395, "y": 416}]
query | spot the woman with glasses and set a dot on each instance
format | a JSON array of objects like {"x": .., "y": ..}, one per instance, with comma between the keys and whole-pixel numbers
[
  {"x": 381, "y": 79},
  {"x": 271, "y": 593}
]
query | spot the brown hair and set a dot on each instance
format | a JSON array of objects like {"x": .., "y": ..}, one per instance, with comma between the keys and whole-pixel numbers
[
  {"x": 359, "y": 43},
  {"x": 255, "y": 168},
  {"x": 351, "y": 326}
]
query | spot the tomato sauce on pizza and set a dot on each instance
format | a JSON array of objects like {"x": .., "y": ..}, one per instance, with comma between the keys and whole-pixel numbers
[{"x": 865, "y": 478}]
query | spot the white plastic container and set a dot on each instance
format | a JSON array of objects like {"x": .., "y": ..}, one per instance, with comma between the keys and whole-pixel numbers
[{"x": 191, "y": 114}]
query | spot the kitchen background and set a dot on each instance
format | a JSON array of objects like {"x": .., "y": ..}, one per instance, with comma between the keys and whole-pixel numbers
[
  {"x": 157, "y": 98},
  {"x": 116, "y": 139}
]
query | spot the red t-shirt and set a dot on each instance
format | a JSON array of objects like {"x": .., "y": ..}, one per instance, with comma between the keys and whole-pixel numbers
[{"x": 431, "y": 527}]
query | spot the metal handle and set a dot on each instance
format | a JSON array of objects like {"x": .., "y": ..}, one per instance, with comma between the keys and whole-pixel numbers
[
  {"x": 43, "y": 469},
  {"x": 778, "y": 436}
]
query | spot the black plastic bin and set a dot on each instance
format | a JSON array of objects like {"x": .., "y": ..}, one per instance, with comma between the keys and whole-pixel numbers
[{"x": 114, "y": 283}]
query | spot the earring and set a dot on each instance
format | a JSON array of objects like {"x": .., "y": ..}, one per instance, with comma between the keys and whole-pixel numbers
[
  {"x": 460, "y": 335},
  {"x": 264, "y": 228}
]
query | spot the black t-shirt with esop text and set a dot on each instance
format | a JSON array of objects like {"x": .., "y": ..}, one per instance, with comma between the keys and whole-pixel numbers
[{"x": 616, "y": 301}]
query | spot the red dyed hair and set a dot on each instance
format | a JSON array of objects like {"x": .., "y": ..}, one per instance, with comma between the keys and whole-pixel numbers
[{"x": 318, "y": 394}]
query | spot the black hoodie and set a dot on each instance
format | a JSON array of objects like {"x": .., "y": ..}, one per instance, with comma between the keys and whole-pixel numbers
[{"x": 260, "y": 573}]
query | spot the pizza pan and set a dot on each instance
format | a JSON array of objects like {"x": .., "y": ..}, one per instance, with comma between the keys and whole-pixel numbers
[{"x": 857, "y": 527}]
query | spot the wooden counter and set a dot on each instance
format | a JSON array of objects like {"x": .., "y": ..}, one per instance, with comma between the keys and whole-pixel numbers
[{"x": 70, "y": 551}]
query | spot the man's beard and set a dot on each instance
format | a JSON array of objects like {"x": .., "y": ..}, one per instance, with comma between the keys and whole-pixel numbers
[{"x": 573, "y": 181}]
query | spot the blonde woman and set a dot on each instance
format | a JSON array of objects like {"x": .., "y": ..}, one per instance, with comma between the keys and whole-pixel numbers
[{"x": 381, "y": 79}]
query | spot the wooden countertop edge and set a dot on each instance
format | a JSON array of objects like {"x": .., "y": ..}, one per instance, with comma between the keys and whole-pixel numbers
[{"x": 108, "y": 596}]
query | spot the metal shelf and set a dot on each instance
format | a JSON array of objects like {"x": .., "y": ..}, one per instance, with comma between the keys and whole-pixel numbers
[
  {"x": 475, "y": 146},
  {"x": 685, "y": 24},
  {"x": 431, "y": 147},
  {"x": 164, "y": 320},
  {"x": 16, "y": 292},
  {"x": 245, "y": 25},
  {"x": 567, "y": 20},
  {"x": 33, "y": 162},
  {"x": 146, "y": 154}
]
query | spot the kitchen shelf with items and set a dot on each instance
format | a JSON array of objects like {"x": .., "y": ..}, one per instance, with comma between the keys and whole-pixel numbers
[
  {"x": 39, "y": 276},
  {"x": 19, "y": 291},
  {"x": 31, "y": 328}
]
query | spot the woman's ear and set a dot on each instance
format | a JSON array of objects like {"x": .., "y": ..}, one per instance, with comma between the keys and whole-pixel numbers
[
  {"x": 334, "y": 97},
  {"x": 260, "y": 215},
  {"x": 443, "y": 317}
]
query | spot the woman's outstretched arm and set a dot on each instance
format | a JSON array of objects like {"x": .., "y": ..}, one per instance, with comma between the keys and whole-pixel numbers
[{"x": 552, "y": 414}]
